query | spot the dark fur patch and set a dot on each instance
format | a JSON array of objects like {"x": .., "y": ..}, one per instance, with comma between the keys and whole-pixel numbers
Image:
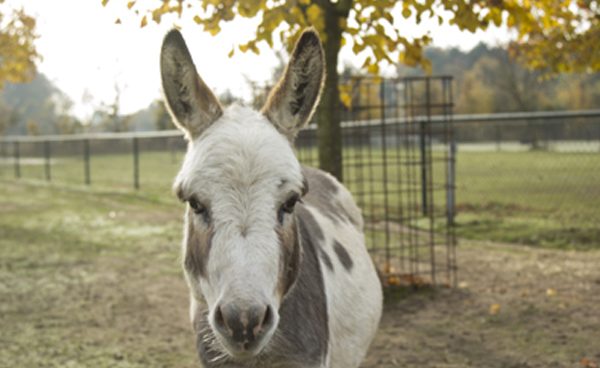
[
  {"x": 326, "y": 260},
  {"x": 198, "y": 244},
  {"x": 316, "y": 233},
  {"x": 343, "y": 255},
  {"x": 290, "y": 257},
  {"x": 303, "y": 331},
  {"x": 322, "y": 192},
  {"x": 305, "y": 187}
]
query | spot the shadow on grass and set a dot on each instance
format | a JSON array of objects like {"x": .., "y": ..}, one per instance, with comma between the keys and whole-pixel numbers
[
  {"x": 407, "y": 297},
  {"x": 530, "y": 231}
]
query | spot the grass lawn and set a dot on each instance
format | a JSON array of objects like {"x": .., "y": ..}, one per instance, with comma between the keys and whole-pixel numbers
[
  {"x": 538, "y": 198},
  {"x": 91, "y": 278}
]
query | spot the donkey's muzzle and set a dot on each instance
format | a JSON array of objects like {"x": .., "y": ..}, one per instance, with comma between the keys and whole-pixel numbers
[{"x": 243, "y": 326}]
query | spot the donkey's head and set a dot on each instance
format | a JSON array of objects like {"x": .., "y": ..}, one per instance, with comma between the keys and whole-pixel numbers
[{"x": 241, "y": 180}]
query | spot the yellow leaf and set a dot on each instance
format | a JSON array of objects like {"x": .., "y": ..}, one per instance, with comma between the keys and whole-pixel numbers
[
  {"x": 551, "y": 292},
  {"x": 104, "y": 2},
  {"x": 144, "y": 22},
  {"x": 373, "y": 68},
  {"x": 130, "y": 4},
  {"x": 393, "y": 281},
  {"x": 345, "y": 96},
  {"x": 494, "y": 309},
  {"x": 197, "y": 19},
  {"x": 314, "y": 14},
  {"x": 367, "y": 62},
  {"x": 231, "y": 53},
  {"x": 587, "y": 363}
]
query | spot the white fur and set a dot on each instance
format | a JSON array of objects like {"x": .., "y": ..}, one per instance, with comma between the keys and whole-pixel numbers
[{"x": 243, "y": 179}]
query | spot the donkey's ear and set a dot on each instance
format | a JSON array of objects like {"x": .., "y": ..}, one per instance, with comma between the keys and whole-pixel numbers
[
  {"x": 191, "y": 103},
  {"x": 293, "y": 100}
]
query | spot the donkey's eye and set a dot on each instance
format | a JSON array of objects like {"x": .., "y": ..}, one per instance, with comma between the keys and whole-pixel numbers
[
  {"x": 198, "y": 208},
  {"x": 288, "y": 206}
]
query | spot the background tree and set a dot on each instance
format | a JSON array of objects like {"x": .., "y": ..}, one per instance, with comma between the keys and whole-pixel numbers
[
  {"x": 38, "y": 101},
  {"x": 17, "y": 51},
  {"x": 551, "y": 35},
  {"x": 162, "y": 120}
]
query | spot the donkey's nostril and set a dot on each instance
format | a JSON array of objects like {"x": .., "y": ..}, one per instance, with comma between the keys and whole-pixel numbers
[
  {"x": 244, "y": 325},
  {"x": 219, "y": 320},
  {"x": 267, "y": 319}
]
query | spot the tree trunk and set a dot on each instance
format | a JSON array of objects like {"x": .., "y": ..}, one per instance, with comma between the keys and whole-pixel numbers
[{"x": 329, "y": 134}]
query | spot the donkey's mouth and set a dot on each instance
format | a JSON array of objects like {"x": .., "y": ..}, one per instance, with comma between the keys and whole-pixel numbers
[{"x": 246, "y": 348}]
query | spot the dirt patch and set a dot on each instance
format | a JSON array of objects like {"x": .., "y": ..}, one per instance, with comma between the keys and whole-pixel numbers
[{"x": 515, "y": 307}]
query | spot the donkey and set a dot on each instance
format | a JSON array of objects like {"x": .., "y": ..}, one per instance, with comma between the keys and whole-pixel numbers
[{"x": 273, "y": 252}]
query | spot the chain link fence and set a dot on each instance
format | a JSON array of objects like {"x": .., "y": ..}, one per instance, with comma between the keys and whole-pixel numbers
[{"x": 529, "y": 178}]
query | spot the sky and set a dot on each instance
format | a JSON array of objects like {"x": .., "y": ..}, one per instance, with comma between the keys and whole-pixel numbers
[{"x": 88, "y": 56}]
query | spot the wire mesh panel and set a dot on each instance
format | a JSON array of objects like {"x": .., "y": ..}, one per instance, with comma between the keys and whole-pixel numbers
[
  {"x": 399, "y": 165},
  {"x": 530, "y": 181}
]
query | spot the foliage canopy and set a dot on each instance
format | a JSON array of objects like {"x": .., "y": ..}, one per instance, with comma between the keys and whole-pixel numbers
[
  {"x": 552, "y": 35},
  {"x": 555, "y": 36},
  {"x": 17, "y": 51}
]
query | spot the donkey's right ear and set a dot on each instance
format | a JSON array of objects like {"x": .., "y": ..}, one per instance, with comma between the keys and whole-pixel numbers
[{"x": 191, "y": 103}]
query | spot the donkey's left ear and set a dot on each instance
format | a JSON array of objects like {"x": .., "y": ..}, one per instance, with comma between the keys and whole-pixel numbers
[
  {"x": 293, "y": 100},
  {"x": 191, "y": 103}
]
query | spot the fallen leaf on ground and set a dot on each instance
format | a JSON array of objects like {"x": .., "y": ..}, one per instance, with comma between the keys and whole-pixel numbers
[
  {"x": 587, "y": 363},
  {"x": 494, "y": 309},
  {"x": 551, "y": 292}
]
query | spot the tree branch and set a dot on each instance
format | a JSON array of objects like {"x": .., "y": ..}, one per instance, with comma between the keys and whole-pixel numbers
[{"x": 343, "y": 7}]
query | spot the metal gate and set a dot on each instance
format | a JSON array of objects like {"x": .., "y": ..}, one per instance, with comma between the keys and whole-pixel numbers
[{"x": 398, "y": 161}]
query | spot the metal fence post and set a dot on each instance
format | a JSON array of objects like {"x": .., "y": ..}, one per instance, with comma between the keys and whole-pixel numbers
[
  {"x": 47, "y": 160},
  {"x": 17, "y": 160},
  {"x": 451, "y": 179},
  {"x": 385, "y": 169},
  {"x": 86, "y": 161},
  {"x": 422, "y": 143},
  {"x": 498, "y": 138},
  {"x": 451, "y": 182},
  {"x": 136, "y": 164}
]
